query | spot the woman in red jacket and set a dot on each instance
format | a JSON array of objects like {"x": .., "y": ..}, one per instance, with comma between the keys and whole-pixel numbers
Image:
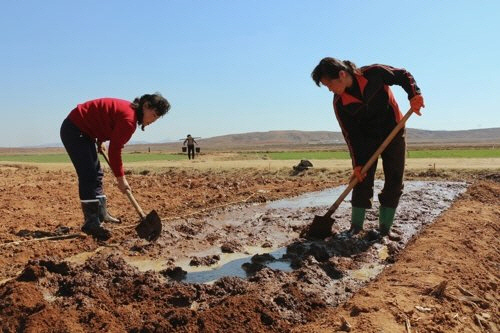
[
  {"x": 367, "y": 112},
  {"x": 94, "y": 122}
]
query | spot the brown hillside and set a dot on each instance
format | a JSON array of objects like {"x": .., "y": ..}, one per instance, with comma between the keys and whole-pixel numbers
[
  {"x": 276, "y": 140},
  {"x": 292, "y": 139}
]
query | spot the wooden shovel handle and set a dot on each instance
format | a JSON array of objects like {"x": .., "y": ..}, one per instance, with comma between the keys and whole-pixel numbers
[
  {"x": 370, "y": 162},
  {"x": 136, "y": 205},
  {"x": 129, "y": 194}
]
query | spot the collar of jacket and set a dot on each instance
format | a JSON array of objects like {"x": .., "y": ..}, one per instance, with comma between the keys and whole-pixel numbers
[{"x": 346, "y": 99}]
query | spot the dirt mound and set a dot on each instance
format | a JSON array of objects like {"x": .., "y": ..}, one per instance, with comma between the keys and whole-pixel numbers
[
  {"x": 493, "y": 176},
  {"x": 484, "y": 192}
]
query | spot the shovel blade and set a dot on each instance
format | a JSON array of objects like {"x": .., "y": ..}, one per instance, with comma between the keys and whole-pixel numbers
[
  {"x": 320, "y": 228},
  {"x": 150, "y": 227}
]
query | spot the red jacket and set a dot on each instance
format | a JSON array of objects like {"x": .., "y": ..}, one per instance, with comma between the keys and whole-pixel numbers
[
  {"x": 367, "y": 111},
  {"x": 106, "y": 119}
]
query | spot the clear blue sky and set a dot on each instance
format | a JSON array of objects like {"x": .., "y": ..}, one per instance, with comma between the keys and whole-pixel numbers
[{"x": 230, "y": 66}]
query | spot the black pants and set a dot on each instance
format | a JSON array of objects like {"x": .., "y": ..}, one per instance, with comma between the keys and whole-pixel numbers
[
  {"x": 83, "y": 153},
  {"x": 393, "y": 162},
  {"x": 190, "y": 151}
]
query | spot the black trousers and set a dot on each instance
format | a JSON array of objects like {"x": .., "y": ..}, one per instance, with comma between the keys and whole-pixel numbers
[
  {"x": 393, "y": 163},
  {"x": 83, "y": 153},
  {"x": 190, "y": 151}
]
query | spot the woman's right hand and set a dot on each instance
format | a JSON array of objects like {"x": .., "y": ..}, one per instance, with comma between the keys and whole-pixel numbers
[
  {"x": 356, "y": 173},
  {"x": 101, "y": 148},
  {"x": 123, "y": 184}
]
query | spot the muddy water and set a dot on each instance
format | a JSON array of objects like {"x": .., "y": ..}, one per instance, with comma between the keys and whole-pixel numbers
[
  {"x": 267, "y": 236},
  {"x": 274, "y": 228},
  {"x": 236, "y": 267}
]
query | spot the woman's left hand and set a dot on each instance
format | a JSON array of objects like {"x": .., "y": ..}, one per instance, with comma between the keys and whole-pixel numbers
[
  {"x": 416, "y": 103},
  {"x": 123, "y": 184}
]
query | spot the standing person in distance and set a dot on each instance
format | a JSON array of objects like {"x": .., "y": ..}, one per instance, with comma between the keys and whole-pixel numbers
[
  {"x": 367, "y": 112},
  {"x": 190, "y": 145},
  {"x": 94, "y": 122}
]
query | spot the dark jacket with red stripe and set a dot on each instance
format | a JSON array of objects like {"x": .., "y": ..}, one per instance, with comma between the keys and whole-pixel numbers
[
  {"x": 367, "y": 111},
  {"x": 107, "y": 119}
]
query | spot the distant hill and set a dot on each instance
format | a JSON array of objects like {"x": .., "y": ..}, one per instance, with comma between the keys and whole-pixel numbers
[
  {"x": 276, "y": 140},
  {"x": 293, "y": 139},
  {"x": 485, "y": 135}
]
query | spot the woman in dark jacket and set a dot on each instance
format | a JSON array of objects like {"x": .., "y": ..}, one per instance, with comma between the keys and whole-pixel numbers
[
  {"x": 94, "y": 122},
  {"x": 367, "y": 112}
]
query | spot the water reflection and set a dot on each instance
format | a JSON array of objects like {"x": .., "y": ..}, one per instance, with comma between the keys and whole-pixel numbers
[{"x": 236, "y": 268}]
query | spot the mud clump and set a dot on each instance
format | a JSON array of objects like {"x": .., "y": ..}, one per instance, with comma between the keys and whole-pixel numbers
[
  {"x": 204, "y": 261},
  {"x": 252, "y": 268},
  {"x": 267, "y": 244},
  {"x": 175, "y": 273},
  {"x": 257, "y": 199},
  {"x": 231, "y": 247},
  {"x": 263, "y": 258},
  {"x": 60, "y": 231},
  {"x": 31, "y": 273},
  {"x": 36, "y": 269},
  {"x": 227, "y": 286},
  {"x": 493, "y": 176}
]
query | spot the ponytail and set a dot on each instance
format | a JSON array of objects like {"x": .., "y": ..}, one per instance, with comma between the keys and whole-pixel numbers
[
  {"x": 330, "y": 68},
  {"x": 351, "y": 67}
]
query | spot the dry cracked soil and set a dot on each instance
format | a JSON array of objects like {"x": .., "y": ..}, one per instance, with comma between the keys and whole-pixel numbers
[{"x": 441, "y": 277}]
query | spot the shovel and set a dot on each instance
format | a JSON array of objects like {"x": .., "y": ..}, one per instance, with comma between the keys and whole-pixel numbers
[
  {"x": 321, "y": 226},
  {"x": 150, "y": 226}
]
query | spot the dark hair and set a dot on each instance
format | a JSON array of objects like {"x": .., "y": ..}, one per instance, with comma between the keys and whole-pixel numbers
[
  {"x": 156, "y": 101},
  {"x": 330, "y": 68}
]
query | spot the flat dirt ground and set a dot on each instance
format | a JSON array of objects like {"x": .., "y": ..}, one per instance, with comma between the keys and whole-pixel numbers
[{"x": 446, "y": 279}]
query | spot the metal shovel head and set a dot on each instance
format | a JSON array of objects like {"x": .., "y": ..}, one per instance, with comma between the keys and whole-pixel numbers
[
  {"x": 320, "y": 228},
  {"x": 150, "y": 227}
]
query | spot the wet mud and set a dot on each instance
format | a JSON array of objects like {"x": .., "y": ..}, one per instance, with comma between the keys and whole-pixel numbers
[{"x": 239, "y": 268}]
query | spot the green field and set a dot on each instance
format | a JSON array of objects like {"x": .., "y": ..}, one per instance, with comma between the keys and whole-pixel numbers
[
  {"x": 455, "y": 153},
  {"x": 324, "y": 155},
  {"x": 285, "y": 155}
]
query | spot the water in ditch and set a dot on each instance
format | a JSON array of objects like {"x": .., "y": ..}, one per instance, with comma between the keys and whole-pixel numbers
[{"x": 280, "y": 222}]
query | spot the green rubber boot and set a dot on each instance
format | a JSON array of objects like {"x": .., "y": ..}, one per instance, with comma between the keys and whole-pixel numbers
[
  {"x": 385, "y": 219},
  {"x": 357, "y": 220}
]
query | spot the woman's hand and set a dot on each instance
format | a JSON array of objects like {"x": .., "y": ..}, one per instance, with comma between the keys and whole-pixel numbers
[
  {"x": 356, "y": 173},
  {"x": 101, "y": 147},
  {"x": 416, "y": 103},
  {"x": 123, "y": 184}
]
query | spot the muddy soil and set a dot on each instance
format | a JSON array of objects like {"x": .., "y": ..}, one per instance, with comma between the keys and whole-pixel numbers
[{"x": 130, "y": 285}]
